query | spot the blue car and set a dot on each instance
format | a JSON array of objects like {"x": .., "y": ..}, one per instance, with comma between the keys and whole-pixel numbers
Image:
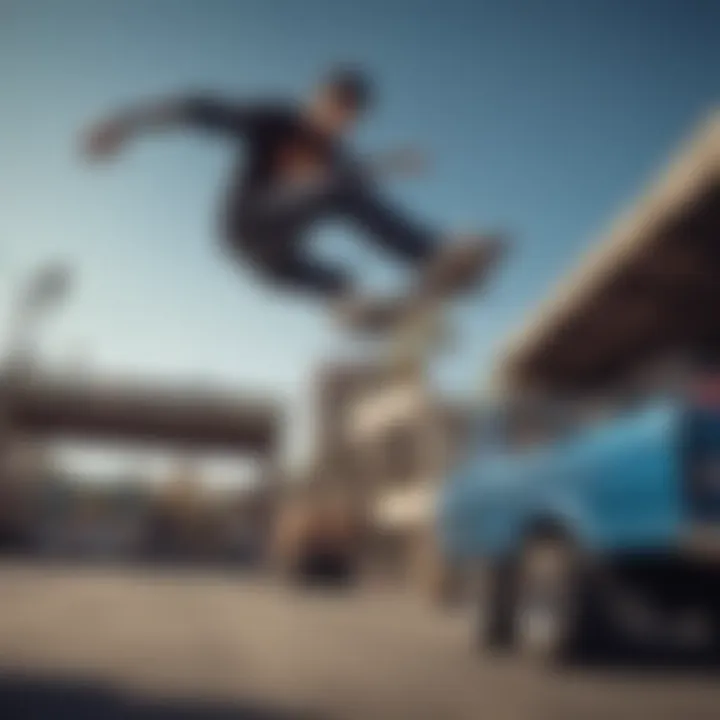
[{"x": 581, "y": 537}]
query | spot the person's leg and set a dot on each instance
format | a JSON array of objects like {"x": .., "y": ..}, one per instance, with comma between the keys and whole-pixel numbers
[
  {"x": 445, "y": 266},
  {"x": 391, "y": 229},
  {"x": 273, "y": 245},
  {"x": 281, "y": 258},
  {"x": 297, "y": 271}
]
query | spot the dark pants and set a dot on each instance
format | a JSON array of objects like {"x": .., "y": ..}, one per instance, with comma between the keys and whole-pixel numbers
[{"x": 270, "y": 230}]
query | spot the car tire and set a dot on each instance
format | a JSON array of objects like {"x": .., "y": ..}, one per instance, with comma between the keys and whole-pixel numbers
[{"x": 559, "y": 616}]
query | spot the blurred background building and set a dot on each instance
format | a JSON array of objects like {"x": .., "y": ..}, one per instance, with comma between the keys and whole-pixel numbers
[
  {"x": 386, "y": 439},
  {"x": 48, "y": 508}
]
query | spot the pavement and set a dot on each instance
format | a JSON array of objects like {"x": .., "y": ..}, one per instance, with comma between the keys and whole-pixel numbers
[{"x": 145, "y": 644}]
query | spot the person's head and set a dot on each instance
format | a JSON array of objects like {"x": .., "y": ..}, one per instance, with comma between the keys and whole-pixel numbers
[{"x": 339, "y": 100}]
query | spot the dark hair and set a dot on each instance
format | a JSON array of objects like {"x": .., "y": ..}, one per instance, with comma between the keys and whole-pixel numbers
[{"x": 351, "y": 86}]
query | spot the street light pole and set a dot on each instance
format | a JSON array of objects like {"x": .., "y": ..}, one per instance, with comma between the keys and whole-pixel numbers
[{"x": 44, "y": 290}]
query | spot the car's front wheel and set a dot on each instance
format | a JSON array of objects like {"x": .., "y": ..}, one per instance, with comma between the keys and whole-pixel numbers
[{"x": 559, "y": 614}]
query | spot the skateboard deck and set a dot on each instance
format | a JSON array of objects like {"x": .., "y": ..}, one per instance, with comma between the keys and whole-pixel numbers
[{"x": 421, "y": 326}]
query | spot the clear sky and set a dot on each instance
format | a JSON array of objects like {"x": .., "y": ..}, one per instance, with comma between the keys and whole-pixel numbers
[{"x": 544, "y": 118}]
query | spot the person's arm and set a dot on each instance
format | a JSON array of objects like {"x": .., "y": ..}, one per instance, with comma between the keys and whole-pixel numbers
[{"x": 106, "y": 137}]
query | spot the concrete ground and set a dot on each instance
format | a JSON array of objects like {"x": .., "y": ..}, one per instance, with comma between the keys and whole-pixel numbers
[{"x": 160, "y": 645}]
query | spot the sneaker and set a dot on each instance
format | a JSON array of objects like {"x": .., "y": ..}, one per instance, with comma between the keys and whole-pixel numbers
[{"x": 462, "y": 263}]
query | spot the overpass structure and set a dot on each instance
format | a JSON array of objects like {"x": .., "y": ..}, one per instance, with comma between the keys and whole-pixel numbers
[
  {"x": 649, "y": 288},
  {"x": 136, "y": 411}
]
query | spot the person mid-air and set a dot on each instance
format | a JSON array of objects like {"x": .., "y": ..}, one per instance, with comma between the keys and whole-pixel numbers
[{"x": 296, "y": 169}]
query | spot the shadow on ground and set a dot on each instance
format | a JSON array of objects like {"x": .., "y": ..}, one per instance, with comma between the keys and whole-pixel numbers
[
  {"x": 30, "y": 698},
  {"x": 658, "y": 663}
]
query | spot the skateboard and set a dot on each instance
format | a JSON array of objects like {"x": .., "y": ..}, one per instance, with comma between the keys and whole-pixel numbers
[{"x": 420, "y": 325}]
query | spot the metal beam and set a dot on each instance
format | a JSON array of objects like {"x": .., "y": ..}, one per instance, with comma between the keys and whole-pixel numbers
[{"x": 141, "y": 412}]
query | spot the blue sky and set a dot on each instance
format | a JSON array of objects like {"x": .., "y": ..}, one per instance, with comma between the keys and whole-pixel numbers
[{"x": 544, "y": 118}]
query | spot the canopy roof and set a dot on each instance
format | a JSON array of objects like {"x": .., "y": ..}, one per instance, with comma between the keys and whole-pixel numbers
[
  {"x": 137, "y": 411},
  {"x": 651, "y": 285}
]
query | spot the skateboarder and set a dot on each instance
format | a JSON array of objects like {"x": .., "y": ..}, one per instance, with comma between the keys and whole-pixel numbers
[{"x": 296, "y": 170}]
